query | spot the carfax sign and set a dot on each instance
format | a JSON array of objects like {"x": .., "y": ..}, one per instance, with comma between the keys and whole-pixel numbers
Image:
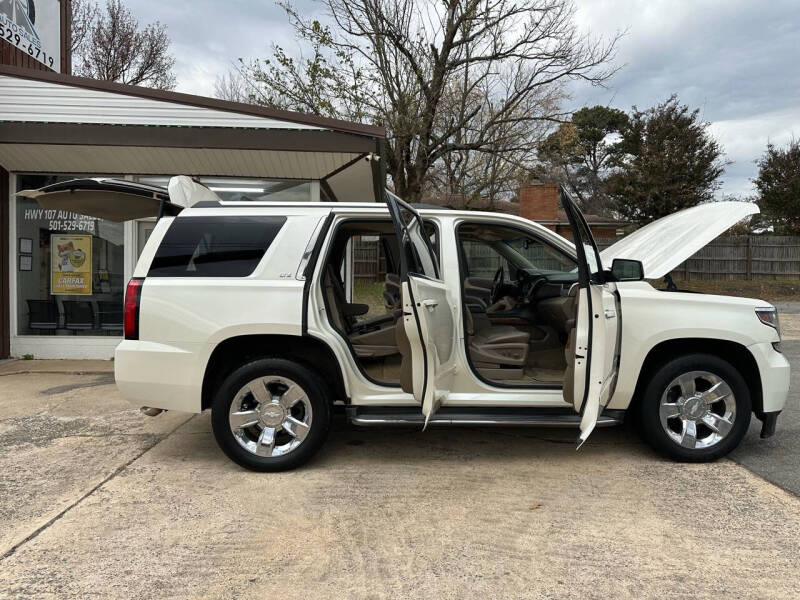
[
  {"x": 34, "y": 27},
  {"x": 71, "y": 264}
]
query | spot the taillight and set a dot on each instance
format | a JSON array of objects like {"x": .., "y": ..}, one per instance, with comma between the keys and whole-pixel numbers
[{"x": 131, "y": 321}]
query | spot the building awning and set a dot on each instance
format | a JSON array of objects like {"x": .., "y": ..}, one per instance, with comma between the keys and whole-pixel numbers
[{"x": 52, "y": 123}]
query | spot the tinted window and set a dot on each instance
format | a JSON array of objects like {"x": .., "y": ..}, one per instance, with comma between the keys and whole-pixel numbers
[
  {"x": 214, "y": 246},
  {"x": 486, "y": 248}
]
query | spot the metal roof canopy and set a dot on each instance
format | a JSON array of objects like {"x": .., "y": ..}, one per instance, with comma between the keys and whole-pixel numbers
[{"x": 53, "y": 123}]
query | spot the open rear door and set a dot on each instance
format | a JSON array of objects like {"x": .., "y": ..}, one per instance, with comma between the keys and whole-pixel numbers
[
  {"x": 593, "y": 343},
  {"x": 111, "y": 199},
  {"x": 427, "y": 336}
]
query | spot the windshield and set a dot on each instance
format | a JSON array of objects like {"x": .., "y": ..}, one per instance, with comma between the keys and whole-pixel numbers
[
  {"x": 488, "y": 247},
  {"x": 532, "y": 255}
]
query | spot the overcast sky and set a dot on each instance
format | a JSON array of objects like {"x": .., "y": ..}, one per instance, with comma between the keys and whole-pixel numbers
[{"x": 737, "y": 61}]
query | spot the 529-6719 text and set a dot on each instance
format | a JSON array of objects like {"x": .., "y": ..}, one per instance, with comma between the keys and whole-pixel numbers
[
  {"x": 8, "y": 33},
  {"x": 77, "y": 225}
]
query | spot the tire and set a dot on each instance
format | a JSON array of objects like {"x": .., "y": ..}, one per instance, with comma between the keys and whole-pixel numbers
[
  {"x": 720, "y": 408},
  {"x": 271, "y": 400}
]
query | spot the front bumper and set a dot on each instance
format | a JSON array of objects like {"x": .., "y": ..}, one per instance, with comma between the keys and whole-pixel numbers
[{"x": 774, "y": 370}]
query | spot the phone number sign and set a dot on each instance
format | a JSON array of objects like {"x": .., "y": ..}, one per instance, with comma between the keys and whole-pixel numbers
[{"x": 34, "y": 27}]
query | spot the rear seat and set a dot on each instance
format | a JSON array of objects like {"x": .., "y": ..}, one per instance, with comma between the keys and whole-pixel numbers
[{"x": 369, "y": 338}]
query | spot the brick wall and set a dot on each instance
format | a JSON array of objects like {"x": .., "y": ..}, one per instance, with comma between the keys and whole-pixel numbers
[{"x": 539, "y": 201}]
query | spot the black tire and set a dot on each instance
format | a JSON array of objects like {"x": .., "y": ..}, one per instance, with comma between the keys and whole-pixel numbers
[
  {"x": 649, "y": 416},
  {"x": 315, "y": 391}
]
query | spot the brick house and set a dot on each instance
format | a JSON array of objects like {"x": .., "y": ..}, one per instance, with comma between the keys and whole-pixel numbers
[{"x": 539, "y": 202}]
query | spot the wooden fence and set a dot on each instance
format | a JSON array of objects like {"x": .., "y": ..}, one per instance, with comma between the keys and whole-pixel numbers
[
  {"x": 731, "y": 257},
  {"x": 741, "y": 257},
  {"x": 369, "y": 264}
]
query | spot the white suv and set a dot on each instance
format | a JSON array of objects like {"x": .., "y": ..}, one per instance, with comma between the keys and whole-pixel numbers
[{"x": 248, "y": 309}]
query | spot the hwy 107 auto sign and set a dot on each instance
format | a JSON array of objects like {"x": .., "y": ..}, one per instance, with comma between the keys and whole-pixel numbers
[{"x": 34, "y": 27}]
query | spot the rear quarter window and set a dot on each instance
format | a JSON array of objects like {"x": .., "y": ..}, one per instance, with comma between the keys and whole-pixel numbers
[{"x": 214, "y": 246}]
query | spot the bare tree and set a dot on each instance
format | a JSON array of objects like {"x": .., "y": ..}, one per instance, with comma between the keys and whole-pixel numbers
[
  {"x": 477, "y": 177},
  {"x": 115, "y": 49},
  {"x": 477, "y": 77},
  {"x": 231, "y": 86},
  {"x": 84, "y": 14}
]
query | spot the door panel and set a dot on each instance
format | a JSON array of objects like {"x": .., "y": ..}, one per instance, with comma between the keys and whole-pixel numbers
[
  {"x": 427, "y": 340},
  {"x": 432, "y": 322},
  {"x": 577, "y": 353},
  {"x": 596, "y": 355},
  {"x": 613, "y": 334},
  {"x": 593, "y": 345}
]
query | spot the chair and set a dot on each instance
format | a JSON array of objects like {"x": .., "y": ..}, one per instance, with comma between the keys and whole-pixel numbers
[
  {"x": 78, "y": 315},
  {"x": 110, "y": 315},
  {"x": 391, "y": 292},
  {"x": 43, "y": 315},
  {"x": 372, "y": 338}
]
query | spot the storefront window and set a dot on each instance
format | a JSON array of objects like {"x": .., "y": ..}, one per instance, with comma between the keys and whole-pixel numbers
[
  {"x": 70, "y": 269},
  {"x": 243, "y": 190}
]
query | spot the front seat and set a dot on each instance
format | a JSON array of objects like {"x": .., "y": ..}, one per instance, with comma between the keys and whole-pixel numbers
[
  {"x": 392, "y": 292},
  {"x": 369, "y": 338},
  {"x": 496, "y": 351},
  {"x": 559, "y": 312}
]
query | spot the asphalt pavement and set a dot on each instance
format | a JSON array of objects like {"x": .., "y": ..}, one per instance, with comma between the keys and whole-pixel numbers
[{"x": 777, "y": 459}]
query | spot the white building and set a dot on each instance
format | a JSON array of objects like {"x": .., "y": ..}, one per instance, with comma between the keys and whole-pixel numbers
[{"x": 55, "y": 127}]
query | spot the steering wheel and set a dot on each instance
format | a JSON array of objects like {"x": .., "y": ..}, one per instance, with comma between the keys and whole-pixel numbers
[
  {"x": 532, "y": 287},
  {"x": 497, "y": 285}
]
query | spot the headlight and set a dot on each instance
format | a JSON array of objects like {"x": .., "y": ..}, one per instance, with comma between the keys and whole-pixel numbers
[{"x": 768, "y": 315}]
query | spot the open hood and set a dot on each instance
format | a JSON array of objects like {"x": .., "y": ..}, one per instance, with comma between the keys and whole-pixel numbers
[
  {"x": 120, "y": 200},
  {"x": 664, "y": 244}
]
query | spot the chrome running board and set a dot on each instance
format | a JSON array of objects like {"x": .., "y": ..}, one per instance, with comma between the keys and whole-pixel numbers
[{"x": 402, "y": 416}]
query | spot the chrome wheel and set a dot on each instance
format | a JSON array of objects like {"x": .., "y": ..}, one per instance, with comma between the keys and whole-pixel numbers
[
  {"x": 697, "y": 409},
  {"x": 270, "y": 416}
]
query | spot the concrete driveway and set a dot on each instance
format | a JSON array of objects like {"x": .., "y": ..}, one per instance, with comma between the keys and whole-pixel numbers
[{"x": 98, "y": 501}]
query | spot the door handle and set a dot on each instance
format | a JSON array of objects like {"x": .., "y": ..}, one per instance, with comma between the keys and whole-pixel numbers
[
  {"x": 610, "y": 313},
  {"x": 430, "y": 303}
]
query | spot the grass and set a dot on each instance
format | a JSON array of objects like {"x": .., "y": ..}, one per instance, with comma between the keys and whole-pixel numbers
[
  {"x": 771, "y": 290},
  {"x": 370, "y": 293}
]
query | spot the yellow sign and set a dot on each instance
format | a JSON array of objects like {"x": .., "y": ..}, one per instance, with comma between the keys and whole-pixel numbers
[{"x": 71, "y": 264}]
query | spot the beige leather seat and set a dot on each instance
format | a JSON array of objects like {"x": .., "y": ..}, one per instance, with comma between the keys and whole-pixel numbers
[
  {"x": 392, "y": 292},
  {"x": 496, "y": 351},
  {"x": 558, "y": 311},
  {"x": 369, "y": 338}
]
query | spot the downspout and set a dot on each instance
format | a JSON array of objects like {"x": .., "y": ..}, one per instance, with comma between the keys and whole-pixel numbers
[{"x": 378, "y": 164}]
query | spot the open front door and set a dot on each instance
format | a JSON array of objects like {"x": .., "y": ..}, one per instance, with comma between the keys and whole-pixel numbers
[
  {"x": 426, "y": 338},
  {"x": 593, "y": 343}
]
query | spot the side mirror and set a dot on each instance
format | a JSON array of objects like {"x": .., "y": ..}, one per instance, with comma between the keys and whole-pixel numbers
[{"x": 626, "y": 269}]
